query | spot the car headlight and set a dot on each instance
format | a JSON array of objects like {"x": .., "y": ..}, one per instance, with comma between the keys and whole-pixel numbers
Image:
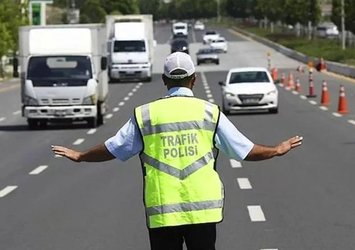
[
  {"x": 89, "y": 100},
  {"x": 273, "y": 92},
  {"x": 228, "y": 94},
  {"x": 31, "y": 101}
]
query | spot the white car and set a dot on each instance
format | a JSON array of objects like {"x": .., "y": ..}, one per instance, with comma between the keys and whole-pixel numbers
[
  {"x": 210, "y": 36},
  {"x": 199, "y": 25},
  {"x": 220, "y": 44},
  {"x": 249, "y": 89}
]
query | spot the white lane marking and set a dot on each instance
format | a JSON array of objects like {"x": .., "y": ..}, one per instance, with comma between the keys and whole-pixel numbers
[
  {"x": 134, "y": 90},
  {"x": 121, "y": 104},
  {"x": 209, "y": 96},
  {"x": 313, "y": 102},
  {"x": 208, "y": 91},
  {"x": 323, "y": 108},
  {"x": 16, "y": 112},
  {"x": 303, "y": 97},
  {"x": 244, "y": 183},
  {"x": 336, "y": 114},
  {"x": 38, "y": 170},
  {"x": 211, "y": 100},
  {"x": 92, "y": 131},
  {"x": 352, "y": 122},
  {"x": 295, "y": 92},
  {"x": 116, "y": 109},
  {"x": 130, "y": 94},
  {"x": 79, "y": 141},
  {"x": 140, "y": 84},
  {"x": 235, "y": 163},
  {"x": 126, "y": 98},
  {"x": 7, "y": 190},
  {"x": 108, "y": 116},
  {"x": 256, "y": 213},
  {"x": 2, "y": 119}
]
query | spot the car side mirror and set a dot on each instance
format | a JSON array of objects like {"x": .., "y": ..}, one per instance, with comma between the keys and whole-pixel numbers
[
  {"x": 103, "y": 63},
  {"x": 221, "y": 83}
]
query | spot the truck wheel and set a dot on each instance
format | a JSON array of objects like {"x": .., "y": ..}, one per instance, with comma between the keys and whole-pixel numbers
[
  {"x": 32, "y": 123},
  {"x": 92, "y": 122}
]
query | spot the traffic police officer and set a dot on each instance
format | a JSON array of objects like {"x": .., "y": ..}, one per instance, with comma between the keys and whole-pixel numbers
[{"x": 177, "y": 138}]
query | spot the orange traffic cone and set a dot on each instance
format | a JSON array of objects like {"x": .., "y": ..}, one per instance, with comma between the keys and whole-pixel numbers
[
  {"x": 291, "y": 82},
  {"x": 311, "y": 89},
  {"x": 283, "y": 79},
  {"x": 343, "y": 105},
  {"x": 298, "y": 85},
  {"x": 274, "y": 74},
  {"x": 300, "y": 69},
  {"x": 322, "y": 67},
  {"x": 325, "y": 99}
]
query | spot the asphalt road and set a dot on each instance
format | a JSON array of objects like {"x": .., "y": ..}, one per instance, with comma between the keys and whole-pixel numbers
[{"x": 303, "y": 200}]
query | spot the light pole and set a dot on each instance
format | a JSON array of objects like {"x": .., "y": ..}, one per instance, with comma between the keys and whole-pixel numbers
[
  {"x": 342, "y": 25},
  {"x": 218, "y": 11}
]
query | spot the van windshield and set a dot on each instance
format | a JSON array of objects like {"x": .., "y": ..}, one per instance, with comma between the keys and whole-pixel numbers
[{"x": 129, "y": 46}]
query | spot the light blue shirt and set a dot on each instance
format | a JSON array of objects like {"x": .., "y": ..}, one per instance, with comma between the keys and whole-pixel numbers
[{"x": 128, "y": 142}]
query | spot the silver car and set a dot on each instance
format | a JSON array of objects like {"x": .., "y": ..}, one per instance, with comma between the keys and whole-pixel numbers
[{"x": 207, "y": 55}]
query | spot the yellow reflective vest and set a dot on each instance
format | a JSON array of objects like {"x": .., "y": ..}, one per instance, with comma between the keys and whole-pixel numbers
[{"x": 181, "y": 185}]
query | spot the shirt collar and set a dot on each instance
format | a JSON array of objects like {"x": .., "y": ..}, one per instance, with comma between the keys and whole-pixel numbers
[{"x": 177, "y": 91}]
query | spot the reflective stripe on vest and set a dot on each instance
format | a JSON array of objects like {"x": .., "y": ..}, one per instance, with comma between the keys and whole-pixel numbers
[
  {"x": 170, "y": 170},
  {"x": 180, "y": 188},
  {"x": 184, "y": 207}
]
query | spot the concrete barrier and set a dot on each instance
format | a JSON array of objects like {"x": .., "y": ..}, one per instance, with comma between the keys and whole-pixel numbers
[{"x": 335, "y": 67}]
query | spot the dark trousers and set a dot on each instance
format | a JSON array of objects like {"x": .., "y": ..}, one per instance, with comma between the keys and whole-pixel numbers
[{"x": 196, "y": 237}]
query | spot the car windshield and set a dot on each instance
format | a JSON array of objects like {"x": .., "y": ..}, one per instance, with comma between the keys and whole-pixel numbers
[
  {"x": 211, "y": 33},
  {"x": 59, "y": 67},
  {"x": 206, "y": 51},
  {"x": 248, "y": 77},
  {"x": 129, "y": 46}
]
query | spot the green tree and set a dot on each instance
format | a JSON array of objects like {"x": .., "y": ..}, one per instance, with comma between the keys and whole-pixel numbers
[{"x": 92, "y": 12}]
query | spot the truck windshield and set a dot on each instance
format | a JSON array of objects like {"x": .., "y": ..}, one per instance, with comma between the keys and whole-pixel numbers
[
  {"x": 129, "y": 46},
  {"x": 70, "y": 68}
]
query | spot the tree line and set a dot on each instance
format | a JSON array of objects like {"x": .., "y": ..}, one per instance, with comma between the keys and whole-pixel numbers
[{"x": 14, "y": 14}]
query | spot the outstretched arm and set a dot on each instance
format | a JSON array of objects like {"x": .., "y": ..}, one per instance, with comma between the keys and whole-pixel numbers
[
  {"x": 98, "y": 153},
  {"x": 261, "y": 152}
]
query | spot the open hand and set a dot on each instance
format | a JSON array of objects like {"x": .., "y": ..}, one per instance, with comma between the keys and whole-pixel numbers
[{"x": 67, "y": 152}]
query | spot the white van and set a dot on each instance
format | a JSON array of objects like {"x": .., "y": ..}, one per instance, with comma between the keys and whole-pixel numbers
[
  {"x": 327, "y": 30},
  {"x": 180, "y": 29}
]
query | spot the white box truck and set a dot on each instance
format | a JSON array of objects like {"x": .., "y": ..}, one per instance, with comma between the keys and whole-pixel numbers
[
  {"x": 131, "y": 46},
  {"x": 63, "y": 73}
]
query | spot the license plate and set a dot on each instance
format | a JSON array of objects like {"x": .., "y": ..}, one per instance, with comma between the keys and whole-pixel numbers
[
  {"x": 59, "y": 112},
  {"x": 251, "y": 101}
]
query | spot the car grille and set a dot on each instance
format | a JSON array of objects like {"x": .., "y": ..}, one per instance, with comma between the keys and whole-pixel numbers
[{"x": 250, "y": 99}]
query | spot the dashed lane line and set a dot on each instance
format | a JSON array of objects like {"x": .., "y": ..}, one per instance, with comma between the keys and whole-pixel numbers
[
  {"x": 115, "y": 109},
  {"x": 121, "y": 104},
  {"x": 17, "y": 112},
  {"x": 336, "y": 114},
  {"x": 323, "y": 108},
  {"x": 108, "y": 116},
  {"x": 38, "y": 170},
  {"x": 92, "y": 131},
  {"x": 256, "y": 214},
  {"x": 2, "y": 119},
  {"x": 351, "y": 122},
  {"x": 79, "y": 141},
  {"x": 7, "y": 190},
  {"x": 126, "y": 98},
  {"x": 235, "y": 163},
  {"x": 313, "y": 102},
  {"x": 244, "y": 183}
]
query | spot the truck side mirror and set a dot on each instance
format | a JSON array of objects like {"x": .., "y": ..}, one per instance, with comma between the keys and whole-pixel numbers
[
  {"x": 221, "y": 83},
  {"x": 15, "y": 72},
  {"x": 103, "y": 63}
]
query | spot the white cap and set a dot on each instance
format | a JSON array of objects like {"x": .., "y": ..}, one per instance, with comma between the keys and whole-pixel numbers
[{"x": 181, "y": 62}]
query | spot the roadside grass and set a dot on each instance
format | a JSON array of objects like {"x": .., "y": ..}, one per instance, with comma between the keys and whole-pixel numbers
[{"x": 329, "y": 49}]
